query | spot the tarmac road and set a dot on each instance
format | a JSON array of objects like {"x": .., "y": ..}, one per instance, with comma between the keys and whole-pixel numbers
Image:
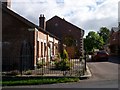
[{"x": 103, "y": 71}]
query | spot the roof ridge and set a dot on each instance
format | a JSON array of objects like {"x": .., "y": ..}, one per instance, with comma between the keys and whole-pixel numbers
[
  {"x": 64, "y": 20},
  {"x": 23, "y": 19}
]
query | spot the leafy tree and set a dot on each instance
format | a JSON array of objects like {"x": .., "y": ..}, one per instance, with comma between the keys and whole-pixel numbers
[
  {"x": 69, "y": 41},
  {"x": 93, "y": 41},
  {"x": 104, "y": 33}
]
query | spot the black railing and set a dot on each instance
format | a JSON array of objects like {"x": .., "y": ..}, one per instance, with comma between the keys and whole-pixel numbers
[{"x": 24, "y": 66}]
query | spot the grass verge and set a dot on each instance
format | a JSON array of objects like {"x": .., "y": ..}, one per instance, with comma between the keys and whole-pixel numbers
[{"x": 39, "y": 81}]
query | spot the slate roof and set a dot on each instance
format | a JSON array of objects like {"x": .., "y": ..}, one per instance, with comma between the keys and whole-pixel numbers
[{"x": 27, "y": 22}]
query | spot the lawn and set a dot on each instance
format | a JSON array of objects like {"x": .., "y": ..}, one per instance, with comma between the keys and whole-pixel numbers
[{"x": 38, "y": 81}]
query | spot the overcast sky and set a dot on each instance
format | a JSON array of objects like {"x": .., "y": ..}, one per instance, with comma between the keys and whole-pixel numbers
[{"x": 89, "y": 15}]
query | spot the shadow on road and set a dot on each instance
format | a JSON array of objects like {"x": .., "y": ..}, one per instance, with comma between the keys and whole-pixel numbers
[
  {"x": 114, "y": 59},
  {"x": 98, "y": 61}
]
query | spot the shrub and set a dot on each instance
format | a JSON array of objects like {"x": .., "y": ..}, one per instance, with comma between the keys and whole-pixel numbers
[
  {"x": 64, "y": 64},
  {"x": 56, "y": 57},
  {"x": 64, "y": 55},
  {"x": 41, "y": 63},
  {"x": 29, "y": 72},
  {"x": 13, "y": 73},
  {"x": 57, "y": 64}
]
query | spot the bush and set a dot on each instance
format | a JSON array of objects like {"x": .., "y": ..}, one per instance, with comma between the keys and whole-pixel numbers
[
  {"x": 64, "y": 64},
  {"x": 64, "y": 55},
  {"x": 13, "y": 73},
  {"x": 28, "y": 72},
  {"x": 41, "y": 63},
  {"x": 56, "y": 57}
]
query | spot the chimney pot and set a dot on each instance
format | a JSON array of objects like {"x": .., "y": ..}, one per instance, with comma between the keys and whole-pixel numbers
[
  {"x": 42, "y": 22},
  {"x": 7, "y": 3}
]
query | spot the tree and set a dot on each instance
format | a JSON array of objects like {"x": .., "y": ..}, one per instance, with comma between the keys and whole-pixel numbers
[
  {"x": 69, "y": 41},
  {"x": 104, "y": 33},
  {"x": 93, "y": 41}
]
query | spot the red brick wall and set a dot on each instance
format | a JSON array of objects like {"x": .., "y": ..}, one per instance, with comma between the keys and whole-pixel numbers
[
  {"x": 114, "y": 38},
  {"x": 61, "y": 29},
  {"x": 14, "y": 33},
  {"x": 70, "y": 51},
  {"x": 115, "y": 43}
]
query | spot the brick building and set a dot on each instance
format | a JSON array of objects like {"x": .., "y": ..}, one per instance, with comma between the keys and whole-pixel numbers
[
  {"x": 70, "y": 35},
  {"x": 114, "y": 41},
  {"x": 23, "y": 42}
]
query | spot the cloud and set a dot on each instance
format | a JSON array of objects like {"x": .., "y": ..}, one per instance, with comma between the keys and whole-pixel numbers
[
  {"x": 89, "y": 15},
  {"x": 99, "y": 2},
  {"x": 119, "y": 12},
  {"x": 60, "y": 1}
]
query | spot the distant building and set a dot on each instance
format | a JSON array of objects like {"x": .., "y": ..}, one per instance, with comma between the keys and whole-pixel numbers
[
  {"x": 70, "y": 35},
  {"x": 114, "y": 41}
]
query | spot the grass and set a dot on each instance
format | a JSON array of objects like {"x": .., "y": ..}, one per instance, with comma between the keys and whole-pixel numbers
[{"x": 39, "y": 81}]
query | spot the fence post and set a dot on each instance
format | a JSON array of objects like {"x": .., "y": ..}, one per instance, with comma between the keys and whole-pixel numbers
[
  {"x": 21, "y": 65},
  {"x": 42, "y": 67}
]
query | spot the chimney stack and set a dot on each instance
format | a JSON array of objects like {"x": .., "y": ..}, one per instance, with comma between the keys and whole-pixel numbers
[
  {"x": 7, "y": 3},
  {"x": 42, "y": 22}
]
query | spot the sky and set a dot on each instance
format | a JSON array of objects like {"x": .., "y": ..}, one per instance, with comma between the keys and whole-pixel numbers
[{"x": 88, "y": 15}]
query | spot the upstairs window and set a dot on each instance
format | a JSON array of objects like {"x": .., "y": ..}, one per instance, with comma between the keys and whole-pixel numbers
[{"x": 41, "y": 49}]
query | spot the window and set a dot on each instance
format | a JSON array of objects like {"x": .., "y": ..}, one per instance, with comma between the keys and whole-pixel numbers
[
  {"x": 41, "y": 49},
  {"x": 56, "y": 47},
  {"x": 4, "y": 44},
  {"x": 52, "y": 48},
  {"x": 44, "y": 49},
  {"x": 38, "y": 48}
]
